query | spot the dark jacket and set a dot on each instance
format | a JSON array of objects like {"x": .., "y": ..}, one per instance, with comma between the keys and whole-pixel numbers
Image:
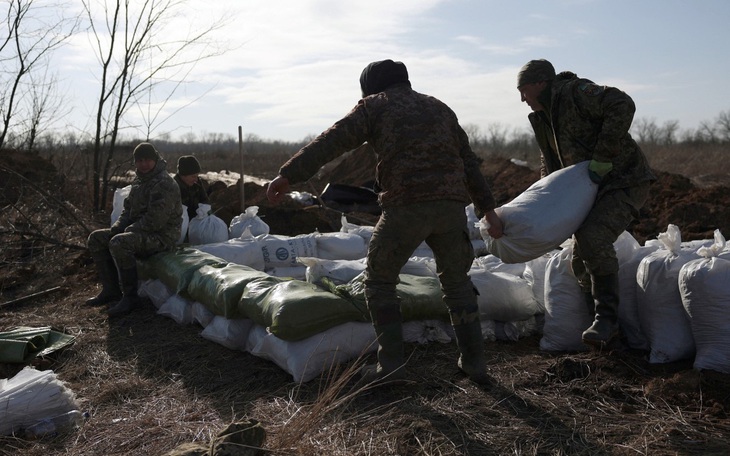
[
  {"x": 585, "y": 121},
  {"x": 192, "y": 196},
  {"x": 152, "y": 207},
  {"x": 422, "y": 152}
]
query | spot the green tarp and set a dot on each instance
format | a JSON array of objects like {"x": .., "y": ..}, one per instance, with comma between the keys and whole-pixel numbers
[{"x": 22, "y": 344}]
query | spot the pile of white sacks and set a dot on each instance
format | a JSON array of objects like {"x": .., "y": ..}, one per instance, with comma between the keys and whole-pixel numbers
[{"x": 675, "y": 296}]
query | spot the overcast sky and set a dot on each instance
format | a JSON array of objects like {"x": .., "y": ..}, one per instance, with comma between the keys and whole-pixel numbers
[{"x": 294, "y": 65}]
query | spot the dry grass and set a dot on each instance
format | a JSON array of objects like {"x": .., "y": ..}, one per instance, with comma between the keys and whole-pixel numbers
[{"x": 149, "y": 385}]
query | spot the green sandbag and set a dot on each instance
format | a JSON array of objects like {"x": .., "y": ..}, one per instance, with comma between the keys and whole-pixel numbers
[
  {"x": 22, "y": 344},
  {"x": 220, "y": 287},
  {"x": 420, "y": 297},
  {"x": 175, "y": 269},
  {"x": 294, "y": 310}
]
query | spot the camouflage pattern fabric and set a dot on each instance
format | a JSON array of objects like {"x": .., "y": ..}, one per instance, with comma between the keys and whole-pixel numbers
[
  {"x": 585, "y": 121},
  {"x": 153, "y": 207},
  {"x": 400, "y": 230},
  {"x": 150, "y": 221},
  {"x": 423, "y": 154},
  {"x": 192, "y": 195},
  {"x": 593, "y": 252}
]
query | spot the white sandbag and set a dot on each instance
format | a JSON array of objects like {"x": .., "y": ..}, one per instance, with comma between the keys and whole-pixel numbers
[
  {"x": 231, "y": 333},
  {"x": 512, "y": 331},
  {"x": 704, "y": 285},
  {"x": 341, "y": 246},
  {"x": 338, "y": 271},
  {"x": 248, "y": 219},
  {"x": 155, "y": 290},
  {"x": 543, "y": 216},
  {"x": 200, "y": 314},
  {"x": 120, "y": 194},
  {"x": 566, "y": 314},
  {"x": 279, "y": 250},
  {"x": 298, "y": 272},
  {"x": 177, "y": 308},
  {"x": 308, "y": 358},
  {"x": 365, "y": 232},
  {"x": 184, "y": 225},
  {"x": 206, "y": 228},
  {"x": 502, "y": 296},
  {"x": 661, "y": 313},
  {"x": 425, "y": 331},
  {"x": 494, "y": 264},
  {"x": 534, "y": 274},
  {"x": 245, "y": 250},
  {"x": 472, "y": 223},
  {"x": 628, "y": 308},
  {"x": 31, "y": 396}
]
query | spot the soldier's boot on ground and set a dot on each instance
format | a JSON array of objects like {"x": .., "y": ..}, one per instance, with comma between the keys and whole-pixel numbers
[
  {"x": 388, "y": 323},
  {"x": 605, "y": 328},
  {"x": 469, "y": 339},
  {"x": 109, "y": 279},
  {"x": 130, "y": 300}
]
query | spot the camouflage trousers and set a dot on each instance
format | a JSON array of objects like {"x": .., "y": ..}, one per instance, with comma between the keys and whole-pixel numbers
[
  {"x": 124, "y": 248},
  {"x": 399, "y": 231},
  {"x": 593, "y": 252}
]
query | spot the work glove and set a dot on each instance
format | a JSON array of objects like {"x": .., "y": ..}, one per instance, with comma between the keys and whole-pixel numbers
[{"x": 597, "y": 170}]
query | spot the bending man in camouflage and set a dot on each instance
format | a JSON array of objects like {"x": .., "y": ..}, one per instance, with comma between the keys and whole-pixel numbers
[
  {"x": 150, "y": 223},
  {"x": 576, "y": 120},
  {"x": 426, "y": 174}
]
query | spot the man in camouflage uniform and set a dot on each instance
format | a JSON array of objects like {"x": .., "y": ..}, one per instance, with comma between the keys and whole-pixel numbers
[
  {"x": 576, "y": 120},
  {"x": 187, "y": 178},
  {"x": 150, "y": 223},
  {"x": 426, "y": 174}
]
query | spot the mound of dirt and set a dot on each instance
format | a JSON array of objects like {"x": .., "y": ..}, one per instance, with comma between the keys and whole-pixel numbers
[{"x": 674, "y": 199}]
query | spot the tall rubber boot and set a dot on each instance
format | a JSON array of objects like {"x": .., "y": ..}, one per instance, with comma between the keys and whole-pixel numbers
[
  {"x": 470, "y": 341},
  {"x": 109, "y": 279},
  {"x": 590, "y": 303},
  {"x": 391, "y": 353},
  {"x": 605, "y": 328},
  {"x": 130, "y": 300}
]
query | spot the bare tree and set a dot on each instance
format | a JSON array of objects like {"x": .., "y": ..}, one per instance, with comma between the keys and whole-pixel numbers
[
  {"x": 45, "y": 105},
  {"x": 723, "y": 125},
  {"x": 32, "y": 35},
  {"x": 136, "y": 61}
]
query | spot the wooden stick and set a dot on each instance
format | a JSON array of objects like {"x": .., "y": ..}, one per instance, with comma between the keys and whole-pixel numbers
[
  {"x": 30, "y": 296},
  {"x": 243, "y": 176}
]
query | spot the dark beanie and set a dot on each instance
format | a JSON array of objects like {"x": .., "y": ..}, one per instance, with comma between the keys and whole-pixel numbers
[
  {"x": 535, "y": 71},
  {"x": 380, "y": 75},
  {"x": 187, "y": 165},
  {"x": 146, "y": 150}
]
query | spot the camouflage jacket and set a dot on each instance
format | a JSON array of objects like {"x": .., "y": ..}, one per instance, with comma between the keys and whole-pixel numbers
[
  {"x": 422, "y": 152},
  {"x": 191, "y": 195},
  {"x": 586, "y": 121},
  {"x": 153, "y": 206}
]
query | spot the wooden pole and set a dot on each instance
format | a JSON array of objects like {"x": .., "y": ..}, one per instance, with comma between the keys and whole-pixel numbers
[{"x": 240, "y": 155}]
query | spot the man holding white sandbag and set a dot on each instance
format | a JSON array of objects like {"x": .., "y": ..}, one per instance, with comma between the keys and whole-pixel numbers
[
  {"x": 426, "y": 175},
  {"x": 576, "y": 120}
]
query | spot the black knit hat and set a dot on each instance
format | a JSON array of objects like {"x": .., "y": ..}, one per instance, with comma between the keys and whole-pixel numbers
[
  {"x": 380, "y": 75},
  {"x": 187, "y": 165},
  {"x": 146, "y": 150},
  {"x": 535, "y": 71}
]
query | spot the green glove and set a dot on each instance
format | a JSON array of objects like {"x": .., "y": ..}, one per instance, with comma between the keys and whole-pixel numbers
[{"x": 597, "y": 170}]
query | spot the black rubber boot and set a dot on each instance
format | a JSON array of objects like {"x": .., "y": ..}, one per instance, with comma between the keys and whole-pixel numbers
[
  {"x": 605, "y": 328},
  {"x": 130, "y": 300},
  {"x": 109, "y": 279},
  {"x": 391, "y": 354},
  {"x": 470, "y": 341}
]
